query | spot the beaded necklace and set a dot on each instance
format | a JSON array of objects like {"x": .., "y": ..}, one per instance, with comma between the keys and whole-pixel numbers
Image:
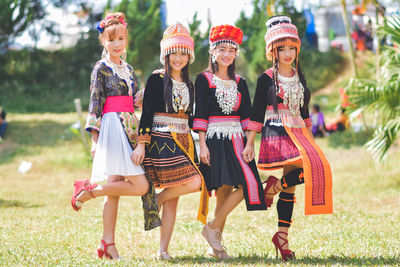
[
  {"x": 292, "y": 91},
  {"x": 226, "y": 93},
  {"x": 180, "y": 95}
]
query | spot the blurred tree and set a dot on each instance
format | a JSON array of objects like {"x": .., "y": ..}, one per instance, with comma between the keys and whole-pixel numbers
[
  {"x": 201, "y": 46},
  {"x": 145, "y": 33},
  {"x": 17, "y": 15},
  {"x": 381, "y": 94}
]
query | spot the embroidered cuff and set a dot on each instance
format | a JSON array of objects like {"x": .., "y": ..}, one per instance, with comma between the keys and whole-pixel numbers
[
  {"x": 138, "y": 99},
  {"x": 144, "y": 138},
  {"x": 308, "y": 122},
  {"x": 200, "y": 125},
  {"x": 92, "y": 122},
  {"x": 255, "y": 126},
  {"x": 245, "y": 124}
]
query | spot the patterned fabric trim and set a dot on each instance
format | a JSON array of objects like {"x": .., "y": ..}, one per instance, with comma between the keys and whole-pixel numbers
[
  {"x": 92, "y": 122},
  {"x": 317, "y": 173},
  {"x": 308, "y": 122},
  {"x": 164, "y": 122},
  {"x": 277, "y": 165},
  {"x": 130, "y": 123},
  {"x": 144, "y": 138},
  {"x": 277, "y": 149},
  {"x": 138, "y": 99},
  {"x": 224, "y": 127},
  {"x": 238, "y": 102},
  {"x": 255, "y": 126},
  {"x": 251, "y": 181},
  {"x": 270, "y": 72},
  {"x": 200, "y": 125},
  {"x": 245, "y": 124},
  {"x": 284, "y": 117}
]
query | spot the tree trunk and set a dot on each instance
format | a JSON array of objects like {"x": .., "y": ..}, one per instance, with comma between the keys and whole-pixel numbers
[{"x": 351, "y": 50}]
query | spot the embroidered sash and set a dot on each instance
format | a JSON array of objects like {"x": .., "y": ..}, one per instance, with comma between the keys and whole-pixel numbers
[{"x": 317, "y": 171}]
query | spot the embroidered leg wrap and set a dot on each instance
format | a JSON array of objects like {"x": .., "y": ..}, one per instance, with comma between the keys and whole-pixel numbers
[
  {"x": 293, "y": 178},
  {"x": 285, "y": 209}
]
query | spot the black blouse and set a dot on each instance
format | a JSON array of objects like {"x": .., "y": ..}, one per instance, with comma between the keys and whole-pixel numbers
[
  {"x": 207, "y": 104},
  {"x": 263, "y": 98},
  {"x": 153, "y": 101}
]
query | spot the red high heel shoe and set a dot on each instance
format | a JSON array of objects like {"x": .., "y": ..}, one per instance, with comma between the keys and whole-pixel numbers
[
  {"x": 103, "y": 252},
  {"x": 286, "y": 254},
  {"x": 79, "y": 187},
  {"x": 271, "y": 182}
]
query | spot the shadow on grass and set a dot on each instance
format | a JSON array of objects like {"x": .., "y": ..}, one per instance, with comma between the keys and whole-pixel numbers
[
  {"x": 27, "y": 137},
  {"x": 256, "y": 259},
  {"x": 16, "y": 204}
]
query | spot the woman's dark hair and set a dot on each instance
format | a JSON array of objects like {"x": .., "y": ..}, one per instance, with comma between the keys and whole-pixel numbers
[
  {"x": 316, "y": 107},
  {"x": 168, "y": 85},
  {"x": 213, "y": 67},
  {"x": 272, "y": 91}
]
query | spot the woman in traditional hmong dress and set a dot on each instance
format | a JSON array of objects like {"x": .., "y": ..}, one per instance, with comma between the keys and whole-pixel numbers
[
  {"x": 166, "y": 147},
  {"x": 287, "y": 141},
  {"x": 223, "y": 109},
  {"x": 113, "y": 125}
]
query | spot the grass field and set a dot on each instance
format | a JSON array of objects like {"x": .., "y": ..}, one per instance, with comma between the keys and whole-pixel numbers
[{"x": 39, "y": 228}]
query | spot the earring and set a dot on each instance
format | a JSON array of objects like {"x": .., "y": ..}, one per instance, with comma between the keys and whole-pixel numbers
[{"x": 212, "y": 58}]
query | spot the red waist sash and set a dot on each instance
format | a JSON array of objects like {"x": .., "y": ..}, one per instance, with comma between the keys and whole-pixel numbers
[{"x": 119, "y": 103}]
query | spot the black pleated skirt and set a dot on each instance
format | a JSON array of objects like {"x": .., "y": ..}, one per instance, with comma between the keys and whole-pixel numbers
[{"x": 229, "y": 168}]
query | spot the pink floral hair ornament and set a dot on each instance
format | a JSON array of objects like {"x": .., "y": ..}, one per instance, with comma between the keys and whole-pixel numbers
[{"x": 102, "y": 23}]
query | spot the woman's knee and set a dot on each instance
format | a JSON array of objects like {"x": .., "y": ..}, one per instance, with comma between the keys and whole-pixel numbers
[
  {"x": 195, "y": 185},
  {"x": 144, "y": 186},
  {"x": 171, "y": 204},
  {"x": 140, "y": 183}
]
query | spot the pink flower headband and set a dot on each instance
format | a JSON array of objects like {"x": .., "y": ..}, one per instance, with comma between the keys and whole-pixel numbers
[{"x": 102, "y": 23}]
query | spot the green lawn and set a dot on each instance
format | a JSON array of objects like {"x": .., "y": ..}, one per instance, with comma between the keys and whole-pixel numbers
[{"x": 39, "y": 228}]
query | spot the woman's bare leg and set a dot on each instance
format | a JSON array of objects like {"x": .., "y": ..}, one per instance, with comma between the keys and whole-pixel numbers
[
  {"x": 110, "y": 211},
  {"x": 168, "y": 222},
  {"x": 227, "y": 203},
  {"x": 174, "y": 192}
]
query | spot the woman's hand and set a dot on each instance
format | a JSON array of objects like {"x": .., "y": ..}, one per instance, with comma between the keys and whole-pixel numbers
[
  {"x": 204, "y": 154},
  {"x": 159, "y": 71},
  {"x": 248, "y": 153},
  {"x": 138, "y": 154},
  {"x": 95, "y": 136},
  {"x": 93, "y": 149}
]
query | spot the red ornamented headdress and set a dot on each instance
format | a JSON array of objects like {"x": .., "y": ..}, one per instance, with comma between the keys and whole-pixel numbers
[{"x": 225, "y": 34}]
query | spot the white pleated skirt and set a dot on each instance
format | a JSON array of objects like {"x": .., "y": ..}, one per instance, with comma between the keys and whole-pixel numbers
[{"x": 113, "y": 151}]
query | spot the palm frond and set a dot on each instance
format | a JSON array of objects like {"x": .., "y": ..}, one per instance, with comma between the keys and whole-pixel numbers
[
  {"x": 391, "y": 28},
  {"x": 383, "y": 139},
  {"x": 381, "y": 93}
]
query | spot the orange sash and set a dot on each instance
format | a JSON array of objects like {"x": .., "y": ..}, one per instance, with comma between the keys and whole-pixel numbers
[{"x": 317, "y": 172}]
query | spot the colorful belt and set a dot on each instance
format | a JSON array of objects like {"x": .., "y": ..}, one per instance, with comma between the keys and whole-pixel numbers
[
  {"x": 224, "y": 127},
  {"x": 120, "y": 103},
  {"x": 171, "y": 122}
]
